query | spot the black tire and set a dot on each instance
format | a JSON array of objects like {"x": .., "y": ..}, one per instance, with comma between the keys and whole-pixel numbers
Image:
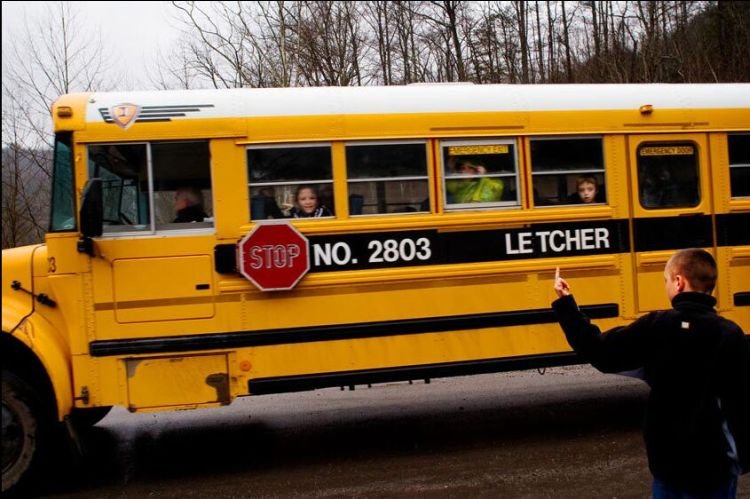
[
  {"x": 26, "y": 432},
  {"x": 86, "y": 418}
]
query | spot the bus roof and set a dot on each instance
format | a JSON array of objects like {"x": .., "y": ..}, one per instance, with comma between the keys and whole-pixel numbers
[{"x": 415, "y": 98}]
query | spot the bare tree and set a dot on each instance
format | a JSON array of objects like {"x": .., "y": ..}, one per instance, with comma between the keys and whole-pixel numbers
[
  {"x": 44, "y": 59},
  {"x": 331, "y": 42},
  {"x": 414, "y": 57},
  {"x": 448, "y": 19},
  {"x": 220, "y": 52},
  {"x": 25, "y": 183},
  {"x": 277, "y": 44}
]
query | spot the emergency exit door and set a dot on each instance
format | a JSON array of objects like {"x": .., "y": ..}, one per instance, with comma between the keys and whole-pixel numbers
[{"x": 672, "y": 207}]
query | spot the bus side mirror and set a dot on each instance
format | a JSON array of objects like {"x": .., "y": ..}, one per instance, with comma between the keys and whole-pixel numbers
[{"x": 91, "y": 215}]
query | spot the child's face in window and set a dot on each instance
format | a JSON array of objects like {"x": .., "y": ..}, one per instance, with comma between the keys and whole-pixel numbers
[
  {"x": 307, "y": 200},
  {"x": 587, "y": 192},
  {"x": 468, "y": 168}
]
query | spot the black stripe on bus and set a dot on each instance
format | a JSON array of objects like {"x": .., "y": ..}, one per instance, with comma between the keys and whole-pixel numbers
[
  {"x": 281, "y": 384},
  {"x": 742, "y": 299},
  {"x": 733, "y": 229},
  {"x": 664, "y": 233},
  {"x": 650, "y": 234},
  {"x": 239, "y": 339},
  {"x": 375, "y": 250}
]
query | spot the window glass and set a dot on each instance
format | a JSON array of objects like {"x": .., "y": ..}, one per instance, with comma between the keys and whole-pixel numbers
[
  {"x": 387, "y": 178},
  {"x": 123, "y": 169},
  {"x": 182, "y": 185},
  {"x": 170, "y": 179},
  {"x": 739, "y": 164},
  {"x": 567, "y": 171},
  {"x": 63, "y": 203},
  {"x": 480, "y": 173},
  {"x": 668, "y": 174},
  {"x": 290, "y": 182}
]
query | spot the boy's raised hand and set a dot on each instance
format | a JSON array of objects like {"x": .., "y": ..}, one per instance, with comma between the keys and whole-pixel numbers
[{"x": 561, "y": 286}]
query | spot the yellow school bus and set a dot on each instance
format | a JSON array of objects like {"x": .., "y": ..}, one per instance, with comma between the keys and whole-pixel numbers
[{"x": 211, "y": 244}]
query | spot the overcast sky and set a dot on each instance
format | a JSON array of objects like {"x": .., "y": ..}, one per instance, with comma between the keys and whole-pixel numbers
[{"x": 133, "y": 31}]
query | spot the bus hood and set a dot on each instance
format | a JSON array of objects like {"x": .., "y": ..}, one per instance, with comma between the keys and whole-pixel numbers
[{"x": 17, "y": 284}]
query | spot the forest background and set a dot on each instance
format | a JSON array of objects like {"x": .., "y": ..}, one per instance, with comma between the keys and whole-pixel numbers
[{"x": 342, "y": 43}]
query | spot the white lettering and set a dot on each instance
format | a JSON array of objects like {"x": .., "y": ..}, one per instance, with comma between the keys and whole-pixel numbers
[
  {"x": 542, "y": 236},
  {"x": 273, "y": 256},
  {"x": 602, "y": 238},
  {"x": 326, "y": 254},
  {"x": 557, "y": 247},
  {"x": 342, "y": 253},
  {"x": 322, "y": 252},
  {"x": 293, "y": 251},
  {"x": 572, "y": 239},
  {"x": 509, "y": 246},
  {"x": 256, "y": 257},
  {"x": 279, "y": 257},
  {"x": 587, "y": 239},
  {"x": 524, "y": 243}
]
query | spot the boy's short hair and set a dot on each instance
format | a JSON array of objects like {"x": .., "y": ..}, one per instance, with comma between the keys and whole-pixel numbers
[
  {"x": 586, "y": 179},
  {"x": 698, "y": 267}
]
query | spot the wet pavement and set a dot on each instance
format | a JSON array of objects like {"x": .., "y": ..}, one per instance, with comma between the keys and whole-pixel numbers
[{"x": 571, "y": 433}]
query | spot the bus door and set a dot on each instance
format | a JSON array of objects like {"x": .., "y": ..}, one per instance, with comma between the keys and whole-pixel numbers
[
  {"x": 152, "y": 273},
  {"x": 671, "y": 207}
]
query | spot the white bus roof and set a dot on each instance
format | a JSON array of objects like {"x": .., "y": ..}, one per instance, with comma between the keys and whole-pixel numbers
[{"x": 421, "y": 98}]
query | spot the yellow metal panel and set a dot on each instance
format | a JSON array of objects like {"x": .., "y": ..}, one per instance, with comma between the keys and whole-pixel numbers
[
  {"x": 77, "y": 102},
  {"x": 51, "y": 348},
  {"x": 177, "y": 381},
  {"x": 738, "y": 277},
  {"x": 184, "y": 129},
  {"x": 158, "y": 289},
  {"x": 230, "y": 188},
  {"x": 340, "y": 192}
]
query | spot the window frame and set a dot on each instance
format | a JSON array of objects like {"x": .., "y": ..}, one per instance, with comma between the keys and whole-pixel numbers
[
  {"x": 152, "y": 229},
  {"x": 426, "y": 177},
  {"x": 289, "y": 145},
  {"x": 484, "y": 141},
  {"x": 58, "y": 185},
  {"x": 586, "y": 171},
  {"x": 736, "y": 166},
  {"x": 700, "y": 194}
]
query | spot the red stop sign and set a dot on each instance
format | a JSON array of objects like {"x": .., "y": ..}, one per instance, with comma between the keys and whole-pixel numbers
[{"x": 273, "y": 256}]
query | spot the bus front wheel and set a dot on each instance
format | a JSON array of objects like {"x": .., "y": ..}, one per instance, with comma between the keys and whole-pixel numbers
[{"x": 25, "y": 434}]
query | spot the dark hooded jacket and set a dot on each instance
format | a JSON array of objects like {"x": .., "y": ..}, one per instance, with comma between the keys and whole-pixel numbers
[{"x": 697, "y": 364}]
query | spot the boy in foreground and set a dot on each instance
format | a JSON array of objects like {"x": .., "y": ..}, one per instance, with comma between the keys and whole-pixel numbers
[{"x": 697, "y": 364}]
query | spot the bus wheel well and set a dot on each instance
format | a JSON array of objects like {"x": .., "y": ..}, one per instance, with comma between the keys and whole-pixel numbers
[{"x": 21, "y": 361}]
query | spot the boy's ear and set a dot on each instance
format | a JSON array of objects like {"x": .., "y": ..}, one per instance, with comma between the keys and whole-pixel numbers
[{"x": 681, "y": 282}]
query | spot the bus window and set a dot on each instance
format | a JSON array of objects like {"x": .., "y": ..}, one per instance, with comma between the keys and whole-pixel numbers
[
  {"x": 739, "y": 164},
  {"x": 567, "y": 171},
  {"x": 182, "y": 184},
  {"x": 132, "y": 189},
  {"x": 63, "y": 191},
  {"x": 123, "y": 169},
  {"x": 277, "y": 173},
  {"x": 480, "y": 173},
  {"x": 387, "y": 178},
  {"x": 668, "y": 174}
]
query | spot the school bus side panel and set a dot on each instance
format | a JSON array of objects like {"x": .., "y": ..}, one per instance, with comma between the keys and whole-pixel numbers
[
  {"x": 667, "y": 225},
  {"x": 733, "y": 244}
]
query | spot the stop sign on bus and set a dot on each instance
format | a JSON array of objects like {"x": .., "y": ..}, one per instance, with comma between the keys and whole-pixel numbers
[{"x": 273, "y": 256}]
